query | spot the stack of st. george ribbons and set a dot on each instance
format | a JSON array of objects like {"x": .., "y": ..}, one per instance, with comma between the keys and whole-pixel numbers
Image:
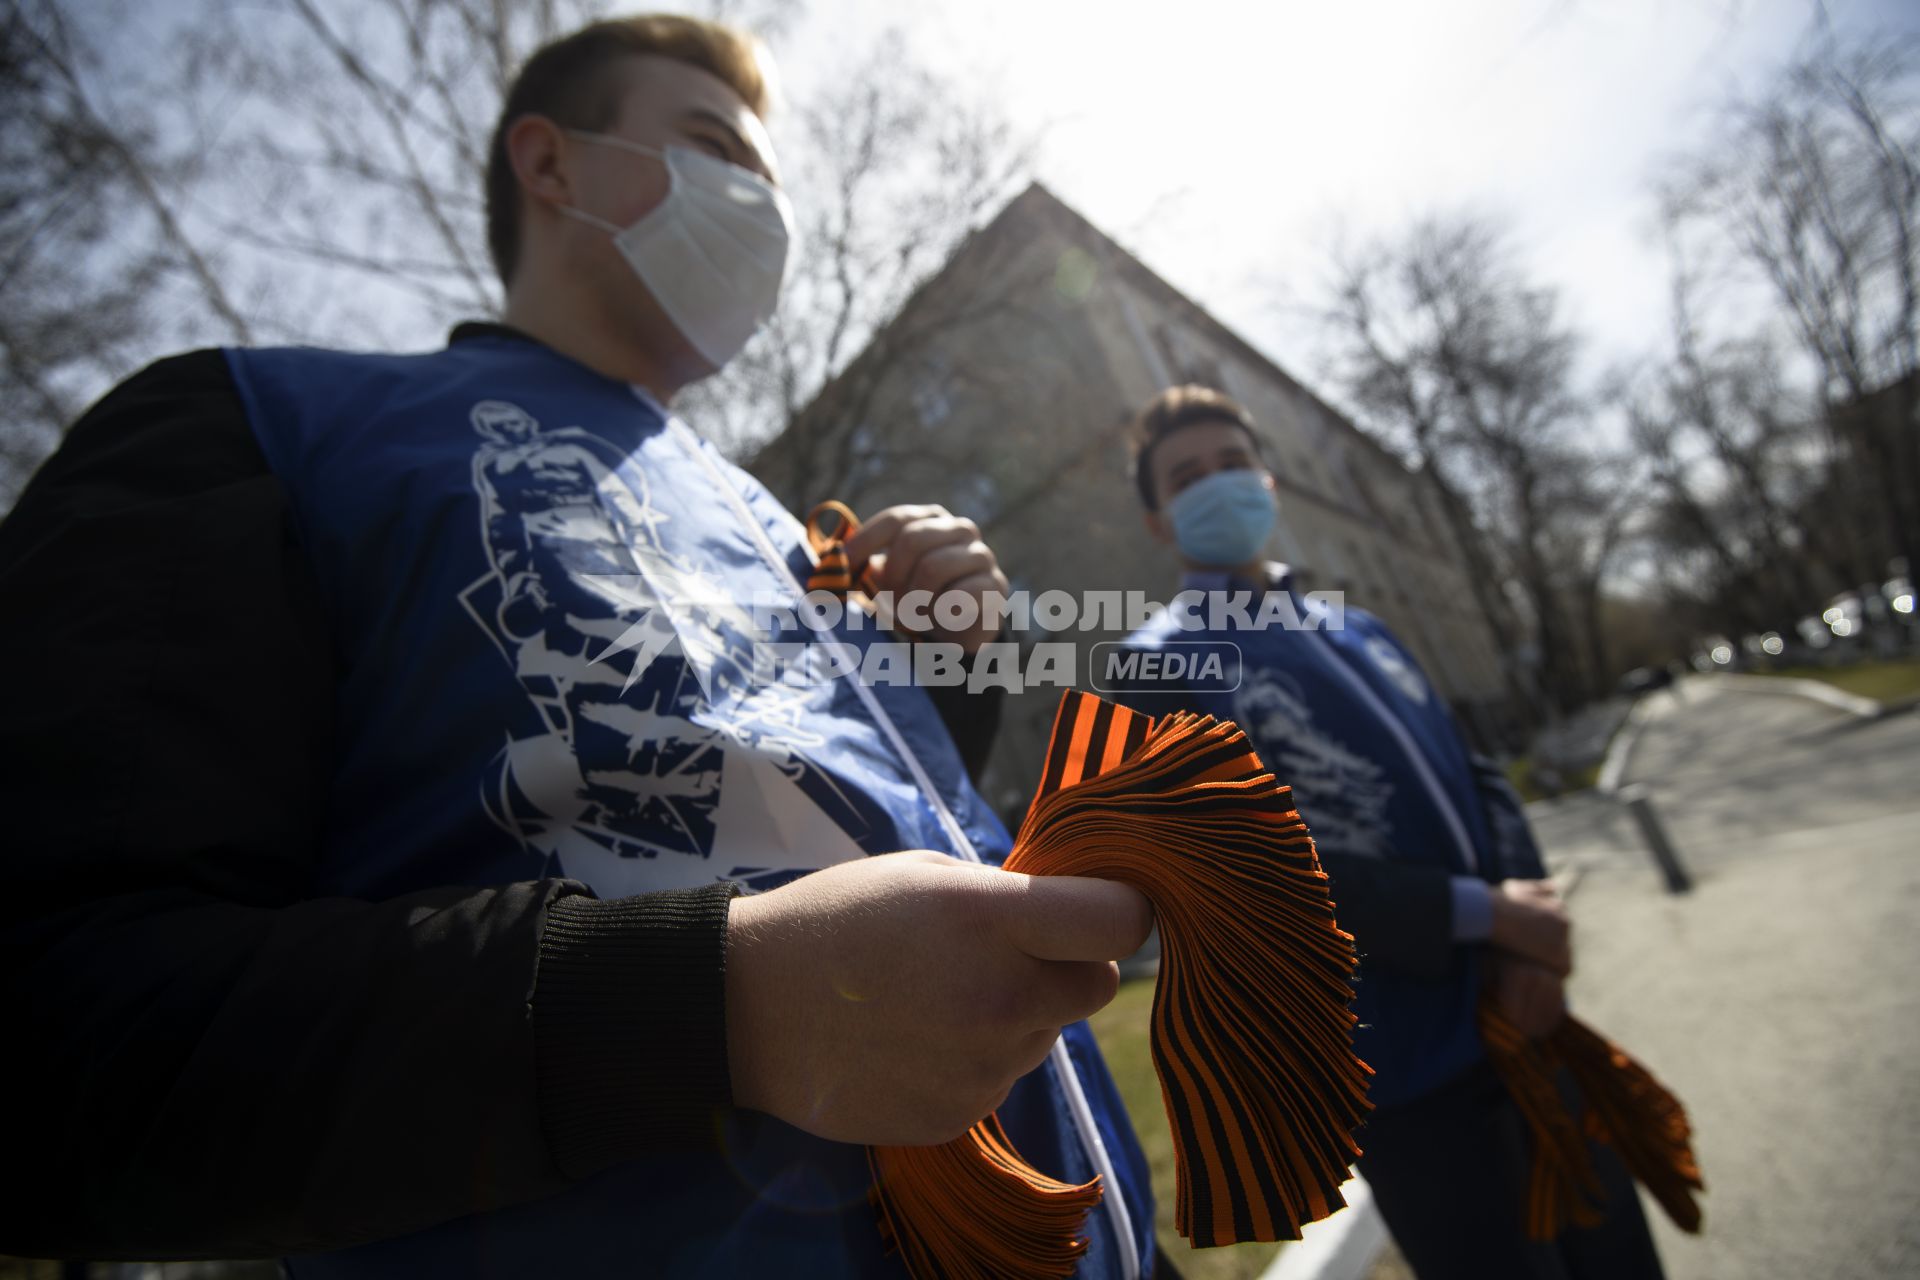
[{"x": 1251, "y": 1033}]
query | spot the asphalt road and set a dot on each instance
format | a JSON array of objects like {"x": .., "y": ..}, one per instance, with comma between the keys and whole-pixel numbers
[
  {"x": 1781, "y": 998},
  {"x": 1728, "y": 765}
]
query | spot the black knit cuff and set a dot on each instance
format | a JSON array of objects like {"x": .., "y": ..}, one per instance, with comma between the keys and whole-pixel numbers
[{"x": 630, "y": 1024}]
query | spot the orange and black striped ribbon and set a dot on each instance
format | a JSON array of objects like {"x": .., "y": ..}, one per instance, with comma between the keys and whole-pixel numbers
[
  {"x": 1251, "y": 1034},
  {"x": 829, "y": 526},
  {"x": 1090, "y": 736},
  {"x": 1625, "y": 1107}
]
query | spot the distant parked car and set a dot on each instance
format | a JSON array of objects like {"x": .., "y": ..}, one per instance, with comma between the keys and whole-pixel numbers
[{"x": 1644, "y": 680}]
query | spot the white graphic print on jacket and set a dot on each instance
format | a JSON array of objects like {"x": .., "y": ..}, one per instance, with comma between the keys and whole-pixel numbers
[
  {"x": 639, "y": 665},
  {"x": 1343, "y": 794}
]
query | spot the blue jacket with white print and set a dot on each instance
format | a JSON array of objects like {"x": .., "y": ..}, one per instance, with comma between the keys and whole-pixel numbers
[
  {"x": 537, "y": 587},
  {"x": 1397, "y": 805}
]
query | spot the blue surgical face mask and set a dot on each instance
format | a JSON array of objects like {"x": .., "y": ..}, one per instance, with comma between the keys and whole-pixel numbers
[{"x": 1225, "y": 518}]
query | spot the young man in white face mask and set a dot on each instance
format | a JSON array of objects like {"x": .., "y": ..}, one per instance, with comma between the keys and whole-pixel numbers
[
  {"x": 1433, "y": 868},
  {"x": 374, "y": 881}
]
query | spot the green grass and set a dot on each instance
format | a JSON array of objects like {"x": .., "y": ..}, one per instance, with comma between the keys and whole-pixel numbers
[
  {"x": 1520, "y": 774},
  {"x": 1121, "y": 1028},
  {"x": 1881, "y": 681}
]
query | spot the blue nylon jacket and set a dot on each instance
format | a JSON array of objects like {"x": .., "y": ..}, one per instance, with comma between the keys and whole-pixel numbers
[
  {"x": 536, "y": 585},
  {"x": 1379, "y": 769}
]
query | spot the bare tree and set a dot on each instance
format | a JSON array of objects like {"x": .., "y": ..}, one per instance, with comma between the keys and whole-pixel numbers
[
  {"x": 1447, "y": 346},
  {"x": 337, "y": 158},
  {"x": 382, "y": 181},
  {"x": 1730, "y": 447},
  {"x": 1597, "y": 504},
  {"x": 895, "y": 168},
  {"x": 92, "y": 236},
  {"x": 358, "y": 147},
  {"x": 1812, "y": 190}
]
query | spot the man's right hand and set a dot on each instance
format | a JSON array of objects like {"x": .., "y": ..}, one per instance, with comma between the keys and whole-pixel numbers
[
  {"x": 1533, "y": 998},
  {"x": 1530, "y": 922},
  {"x": 894, "y": 1000}
]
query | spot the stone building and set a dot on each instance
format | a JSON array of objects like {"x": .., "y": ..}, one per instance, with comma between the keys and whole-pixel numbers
[{"x": 1002, "y": 390}]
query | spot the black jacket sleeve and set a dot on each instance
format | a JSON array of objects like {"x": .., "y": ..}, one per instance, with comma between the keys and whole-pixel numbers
[
  {"x": 206, "y": 1059},
  {"x": 972, "y": 717}
]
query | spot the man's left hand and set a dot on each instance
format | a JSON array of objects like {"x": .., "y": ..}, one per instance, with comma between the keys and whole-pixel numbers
[{"x": 930, "y": 549}]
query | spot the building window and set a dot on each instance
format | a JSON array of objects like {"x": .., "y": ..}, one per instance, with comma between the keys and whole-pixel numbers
[
  {"x": 977, "y": 497},
  {"x": 1188, "y": 360},
  {"x": 932, "y": 404},
  {"x": 933, "y": 392}
]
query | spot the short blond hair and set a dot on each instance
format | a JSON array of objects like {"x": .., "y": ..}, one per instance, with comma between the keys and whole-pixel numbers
[{"x": 572, "y": 82}]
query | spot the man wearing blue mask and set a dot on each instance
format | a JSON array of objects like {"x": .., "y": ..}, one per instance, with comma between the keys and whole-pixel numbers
[
  {"x": 1433, "y": 868},
  {"x": 374, "y": 860}
]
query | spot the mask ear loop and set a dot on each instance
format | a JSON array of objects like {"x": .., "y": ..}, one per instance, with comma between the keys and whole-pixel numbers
[
  {"x": 606, "y": 139},
  {"x": 623, "y": 144},
  {"x": 761, "y": 183},
  {"x": 591, "y": 219}
]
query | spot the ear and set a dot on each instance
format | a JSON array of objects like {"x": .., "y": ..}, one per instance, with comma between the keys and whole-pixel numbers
[
  {"x": 1159, "y": 526},
  {"x": 537, "y": 149}
]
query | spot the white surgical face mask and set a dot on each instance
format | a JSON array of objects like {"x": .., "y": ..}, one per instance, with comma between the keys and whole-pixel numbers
[{"x": 713, "y": 252}]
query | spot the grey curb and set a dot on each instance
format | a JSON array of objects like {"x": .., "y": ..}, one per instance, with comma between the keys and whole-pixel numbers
[{"x": 1817, "y": 690}]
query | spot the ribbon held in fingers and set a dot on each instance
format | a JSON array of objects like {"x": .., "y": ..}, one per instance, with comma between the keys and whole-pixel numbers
[
  {"x": 829, "y": 526},
  {"x": 1625, "y": 1107},
  {"x": 1251, "y": 1035}
]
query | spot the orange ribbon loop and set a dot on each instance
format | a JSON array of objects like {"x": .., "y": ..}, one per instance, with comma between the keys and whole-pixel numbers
[{"x": 829, "y": 526}]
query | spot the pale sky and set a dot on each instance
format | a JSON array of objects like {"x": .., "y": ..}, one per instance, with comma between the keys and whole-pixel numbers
[{"x": 1230, "y": 143}]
